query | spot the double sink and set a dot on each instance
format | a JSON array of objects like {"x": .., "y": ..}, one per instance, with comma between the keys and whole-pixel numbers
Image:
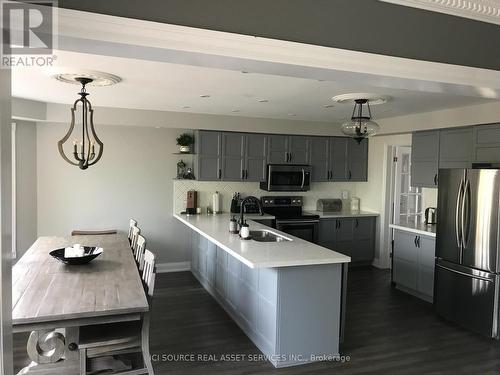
[{"x": 267, "y": 236}]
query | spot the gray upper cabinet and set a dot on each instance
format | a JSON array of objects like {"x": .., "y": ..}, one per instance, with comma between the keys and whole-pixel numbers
[
  {"x": 425, "y": 158},
  {"x": 209, "y": 150},
  {"x": 320, "y": 158},
  {"x": 288, "y": 149},
  {"x": 233, "y": 153},
  {"x": 298, "y": 149},
  {"x": 255, "y": 157},
  {"x": 338, "y": 158},
  {"x": 486, "y": 143},
  {"x": 278, "y": 149},
  {"x": 231, "y": 156},
  {"x": 455, "y": 148},
  {"x": 357, "y": 157}
]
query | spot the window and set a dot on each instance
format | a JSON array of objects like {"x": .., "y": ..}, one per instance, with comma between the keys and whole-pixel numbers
[{"x": 408, "y": 199}]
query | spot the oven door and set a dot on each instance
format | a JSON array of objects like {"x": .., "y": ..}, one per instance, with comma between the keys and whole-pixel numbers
[
  {"x": 287, "y": 178},
  {"x": 306, "y": 229}
]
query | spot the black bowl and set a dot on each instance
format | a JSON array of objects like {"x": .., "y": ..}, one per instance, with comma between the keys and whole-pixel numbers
[{"x": 90, "y": 253}]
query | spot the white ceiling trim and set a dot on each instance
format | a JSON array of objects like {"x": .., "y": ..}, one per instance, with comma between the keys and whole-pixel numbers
[
  {"x": 480, "y": 10},
  {"x": 268, "y": 56}
]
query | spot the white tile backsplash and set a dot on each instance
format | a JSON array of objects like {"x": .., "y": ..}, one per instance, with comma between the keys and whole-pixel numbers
[{"x": 226, "y": 190}]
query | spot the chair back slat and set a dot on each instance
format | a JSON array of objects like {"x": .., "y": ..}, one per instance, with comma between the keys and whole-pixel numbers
[
  {"x": 149, "y": 272},
  {"x": 133, "y": 224},
  {"x": 135, "y": 235},
  {"x": 139, "y": 251},
  {"x": 93, "y": 232}
]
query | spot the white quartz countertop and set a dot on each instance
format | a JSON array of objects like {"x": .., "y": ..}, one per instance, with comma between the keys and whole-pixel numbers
[
  {"x": 297, "y": 252},
  {"x": 343, "y": 213},
  {"x": 418, "y": 228}
]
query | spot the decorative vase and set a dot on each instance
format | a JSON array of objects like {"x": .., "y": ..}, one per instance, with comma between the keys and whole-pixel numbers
[{"x": 185, "y": 149}]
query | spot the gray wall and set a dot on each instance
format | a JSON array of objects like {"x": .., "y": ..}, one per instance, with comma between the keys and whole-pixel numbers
[
  {"x": 26, "y": 186},
  {"x": 132, "y": 180},
  {"x": 360, "y": 25}
]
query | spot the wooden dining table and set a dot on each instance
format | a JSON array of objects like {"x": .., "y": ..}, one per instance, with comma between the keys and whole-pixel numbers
[{"x": 53, "y": 300}]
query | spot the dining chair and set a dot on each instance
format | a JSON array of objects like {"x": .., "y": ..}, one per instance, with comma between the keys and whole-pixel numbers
[
  {"x": 92, "y": 232},
  {"x": 139, "y": 251},
  {"x": 136, "y": 231},
  {"x": 133, "y": 223},
  {"x": 122, "y": 338}
]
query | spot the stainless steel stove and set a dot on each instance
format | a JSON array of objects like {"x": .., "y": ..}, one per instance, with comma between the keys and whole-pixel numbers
[{"x": 290, "y": 218}]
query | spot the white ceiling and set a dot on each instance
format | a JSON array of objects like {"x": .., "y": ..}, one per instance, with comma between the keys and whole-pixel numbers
[{"x": 174, "y": 87}]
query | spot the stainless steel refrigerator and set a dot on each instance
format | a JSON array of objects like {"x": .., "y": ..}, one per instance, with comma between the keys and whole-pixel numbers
[{"x": 467, "y": 249}]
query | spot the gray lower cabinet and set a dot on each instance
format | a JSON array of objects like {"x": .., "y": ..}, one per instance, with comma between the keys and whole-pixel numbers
[
  {"x": 354, "y": 237},
  {"x": 486, "y": 147},
  {"x": 455, "y": 148},
  {"x": 413, "y": 263},
  {"x": 425, "y": 158},
  {"x": 268, "y": 303}
]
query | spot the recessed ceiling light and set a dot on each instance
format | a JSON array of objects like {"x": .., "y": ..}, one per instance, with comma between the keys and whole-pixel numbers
[
  {"x": 244, "y": 72},
  {"x": 186, "y": 107},
  {"x": 263, "y": 100},
  {"x": 292, "y": 114},
  {"x": 328, "y": 105},
  {"x": 205, "y": 96},
  {"x": 373, "y": 99},
  {"x": 235, "y": 110}
]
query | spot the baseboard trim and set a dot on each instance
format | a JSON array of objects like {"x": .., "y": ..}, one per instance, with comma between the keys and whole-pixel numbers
[{"x": 173, "y": 267}]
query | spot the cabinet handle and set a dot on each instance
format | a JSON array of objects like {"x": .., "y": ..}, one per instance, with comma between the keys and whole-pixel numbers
[
  {"x": 418, "y": 241},
  {"x": 357, "y": 223},
  {"x": 290, "y": 156},
  {"x": 435, "y": 179},
  {"x": 286, "y": 157},
  {"x": 246, "y": 173},
  {"x": 350, "y": 175},
  {"x": 415, "y": 241},
  {"x": 242, "y": 174},
  {"x": 219, "y": 176}
]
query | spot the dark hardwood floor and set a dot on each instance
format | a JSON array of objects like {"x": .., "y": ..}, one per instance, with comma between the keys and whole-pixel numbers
[{"x": 387, "y": 332}]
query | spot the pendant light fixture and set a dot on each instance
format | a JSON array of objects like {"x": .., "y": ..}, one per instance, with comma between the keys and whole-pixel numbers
[
  {"x": 85, "y": 140},
  {"x": 360, "y": 126}
]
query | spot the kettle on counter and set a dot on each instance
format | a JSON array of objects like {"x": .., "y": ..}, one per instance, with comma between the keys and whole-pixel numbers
[{"x": 430, "y": 215}]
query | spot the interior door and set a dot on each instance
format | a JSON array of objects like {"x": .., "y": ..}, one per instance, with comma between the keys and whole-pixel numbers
[
  {"x": 480, "y": 222},
  {"x": 448, "y": 230}
]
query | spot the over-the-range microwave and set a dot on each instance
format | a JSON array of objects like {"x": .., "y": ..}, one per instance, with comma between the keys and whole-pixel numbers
[{"x": 287, "y": 177}]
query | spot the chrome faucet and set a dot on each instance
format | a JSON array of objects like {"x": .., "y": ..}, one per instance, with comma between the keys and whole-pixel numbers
[{"x": 246, "y": 200}]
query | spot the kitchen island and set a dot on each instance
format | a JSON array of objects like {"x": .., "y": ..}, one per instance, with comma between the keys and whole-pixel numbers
[{"x": 288, "y": 297}]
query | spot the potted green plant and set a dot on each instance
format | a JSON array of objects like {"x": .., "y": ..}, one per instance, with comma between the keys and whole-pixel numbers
[{"x": 185, "y": 141}]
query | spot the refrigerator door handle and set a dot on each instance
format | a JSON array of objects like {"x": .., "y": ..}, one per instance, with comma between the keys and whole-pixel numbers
[
  {"x": 465, "y": 212},
  {"x": 457, "y": 216}
]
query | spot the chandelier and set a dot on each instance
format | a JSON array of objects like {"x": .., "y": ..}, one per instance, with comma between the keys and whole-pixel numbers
[
  {"x": 85, "y": 140},
  {"x": 360, "y": 126}
]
